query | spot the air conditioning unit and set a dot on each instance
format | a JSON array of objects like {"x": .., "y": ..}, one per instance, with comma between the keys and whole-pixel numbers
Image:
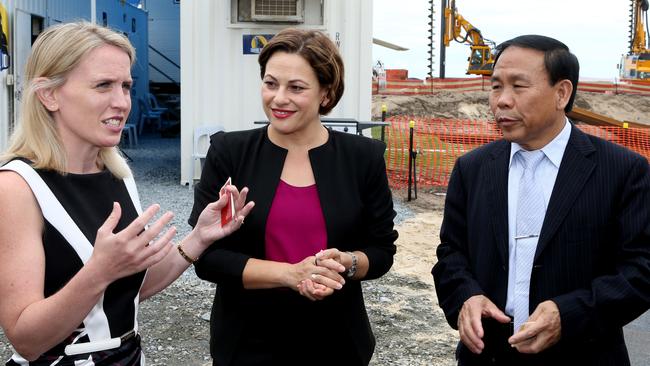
[{"x": 278, "y": 11}]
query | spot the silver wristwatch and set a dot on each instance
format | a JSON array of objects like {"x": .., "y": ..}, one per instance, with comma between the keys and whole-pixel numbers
[{"x": 353, "y": 268}]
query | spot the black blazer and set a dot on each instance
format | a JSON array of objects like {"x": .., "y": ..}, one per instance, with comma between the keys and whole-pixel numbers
[
  {"x": 593, "y": 255},
  {"x": 357, "y": 206}
]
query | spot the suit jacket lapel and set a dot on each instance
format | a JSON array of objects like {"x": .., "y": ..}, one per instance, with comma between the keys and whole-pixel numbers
[
  {"x": 574, "y": 172},
  {"x": 496, "y": 181}
]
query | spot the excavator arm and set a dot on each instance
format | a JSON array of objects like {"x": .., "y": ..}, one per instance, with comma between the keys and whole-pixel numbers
[{"x": 458, "y": 29}]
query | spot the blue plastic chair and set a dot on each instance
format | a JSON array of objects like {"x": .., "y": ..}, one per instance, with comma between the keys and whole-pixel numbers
[
  {"x": 147, "y": 114},
  {"x": 153, "y": 104}
]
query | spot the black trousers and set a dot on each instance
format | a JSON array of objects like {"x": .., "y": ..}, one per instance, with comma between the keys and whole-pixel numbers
[
  {"x": 314, "y": 349},
  {"x": 597, "y": 351}
]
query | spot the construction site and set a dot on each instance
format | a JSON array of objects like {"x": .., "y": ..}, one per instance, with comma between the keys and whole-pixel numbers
[{"x": 450, "y": 116}]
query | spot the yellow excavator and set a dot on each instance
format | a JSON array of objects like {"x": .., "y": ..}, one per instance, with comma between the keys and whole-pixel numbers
[
  {"x": 457, "y": 28},
  {"x": 636, "y": 64}
]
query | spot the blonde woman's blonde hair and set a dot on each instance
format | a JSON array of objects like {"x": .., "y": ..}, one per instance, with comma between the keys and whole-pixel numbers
[{"x": 55, "y": 53}]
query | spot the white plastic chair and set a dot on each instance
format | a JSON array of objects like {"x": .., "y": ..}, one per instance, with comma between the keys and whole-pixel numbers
[{"x": 200, "y": 146}]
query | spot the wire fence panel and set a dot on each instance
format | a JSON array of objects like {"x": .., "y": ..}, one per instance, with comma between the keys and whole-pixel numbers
[{"x": 439, "y": 142}]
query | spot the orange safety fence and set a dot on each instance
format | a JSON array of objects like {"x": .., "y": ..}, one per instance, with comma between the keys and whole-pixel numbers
[
  {"x": 435, "y": 85},
  {"x": 439, "y": 142}
]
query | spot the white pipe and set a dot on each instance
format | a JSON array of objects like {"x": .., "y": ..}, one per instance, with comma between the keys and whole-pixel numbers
[{"x": 93, "y": 11}]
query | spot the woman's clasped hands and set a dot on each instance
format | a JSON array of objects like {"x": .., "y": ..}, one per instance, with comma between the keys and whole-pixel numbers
[{"x": 323, "y": 274}]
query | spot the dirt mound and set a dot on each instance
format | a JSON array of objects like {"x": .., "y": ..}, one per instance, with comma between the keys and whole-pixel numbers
[
  {"x": 474, "y": 105},
  {"x": 632, "y": 108}
]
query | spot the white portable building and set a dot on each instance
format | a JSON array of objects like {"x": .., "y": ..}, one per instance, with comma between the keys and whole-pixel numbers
[{"x": 220, "y": 77}]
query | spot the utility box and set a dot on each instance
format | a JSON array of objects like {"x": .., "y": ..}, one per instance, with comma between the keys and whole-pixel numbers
[{"x": 220, "y": 43}]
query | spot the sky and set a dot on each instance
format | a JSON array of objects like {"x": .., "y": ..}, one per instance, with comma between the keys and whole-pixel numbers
[{"x": 595, "y": 31}]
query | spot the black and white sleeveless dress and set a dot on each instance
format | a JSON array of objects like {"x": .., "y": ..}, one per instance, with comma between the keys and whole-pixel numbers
[{"x": 74, "y": 206}]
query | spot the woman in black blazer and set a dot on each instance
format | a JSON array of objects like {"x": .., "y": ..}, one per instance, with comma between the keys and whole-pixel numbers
[{"x": 288, "y": 282}]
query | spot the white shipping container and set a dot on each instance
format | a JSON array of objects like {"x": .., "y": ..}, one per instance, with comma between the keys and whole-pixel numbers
[{"x": 220, "y": 82}]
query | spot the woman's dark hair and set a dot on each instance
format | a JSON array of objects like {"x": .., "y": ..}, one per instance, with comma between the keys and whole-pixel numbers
[
  {"x": 559, "y": 62},
  {"x": 319, "y": 51}
]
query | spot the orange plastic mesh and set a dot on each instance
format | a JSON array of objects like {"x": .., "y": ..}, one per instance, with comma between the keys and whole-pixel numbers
[{"x": 439, "y": 142}]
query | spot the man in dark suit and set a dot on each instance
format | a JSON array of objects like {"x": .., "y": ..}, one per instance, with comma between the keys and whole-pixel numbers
[{"x": 545, "y": 242}]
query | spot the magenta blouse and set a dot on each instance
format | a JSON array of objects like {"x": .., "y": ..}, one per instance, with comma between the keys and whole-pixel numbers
[{"x": 295, "y": 227}]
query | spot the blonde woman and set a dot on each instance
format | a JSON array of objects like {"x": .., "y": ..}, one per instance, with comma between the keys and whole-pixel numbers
[{"x": 78, "y": 253}]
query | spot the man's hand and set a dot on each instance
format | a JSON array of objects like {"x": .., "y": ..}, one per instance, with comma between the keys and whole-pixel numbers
[
  {"x": 469, "y": 321},
  {"x": 542, "y": 330}
]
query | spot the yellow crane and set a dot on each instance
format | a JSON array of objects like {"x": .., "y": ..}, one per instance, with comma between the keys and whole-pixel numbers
[
  {"x": 636, "y": 64},
  {"x": 457, "y": 28}
]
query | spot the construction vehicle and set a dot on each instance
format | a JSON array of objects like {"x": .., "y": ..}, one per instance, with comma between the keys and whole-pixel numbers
[
  {"x": 636, "y": 64},
  {"x": 457, "y": 28}
]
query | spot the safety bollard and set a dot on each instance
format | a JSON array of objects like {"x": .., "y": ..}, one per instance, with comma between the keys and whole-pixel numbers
[
  {"x": 384, "y": 109},
  {"x": 411, "y": 127},
  {"x": 415, "y": 174}
]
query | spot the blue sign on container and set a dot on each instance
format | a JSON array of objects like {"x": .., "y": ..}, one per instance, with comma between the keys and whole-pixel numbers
[{"x": 253, "y": 43}]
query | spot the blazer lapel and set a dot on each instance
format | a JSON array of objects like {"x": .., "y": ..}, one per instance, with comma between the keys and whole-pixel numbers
[
  {"x": 574, "y": 172},
  {"x": 496, "y": 181}
]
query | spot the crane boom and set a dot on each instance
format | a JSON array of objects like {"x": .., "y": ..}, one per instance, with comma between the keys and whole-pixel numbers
[{"x": 638, "y": 34}]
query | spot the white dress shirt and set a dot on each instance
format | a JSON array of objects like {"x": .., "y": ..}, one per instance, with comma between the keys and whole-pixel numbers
[{"x": 545, "y": 175}]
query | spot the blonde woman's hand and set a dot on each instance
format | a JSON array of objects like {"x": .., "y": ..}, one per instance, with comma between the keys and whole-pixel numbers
[
  {"x": 133, "y": 249},
  {"x": 209, "y": 227}
]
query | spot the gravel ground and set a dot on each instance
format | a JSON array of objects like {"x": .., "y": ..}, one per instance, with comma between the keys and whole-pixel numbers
[{"x": 408, "y": 324}]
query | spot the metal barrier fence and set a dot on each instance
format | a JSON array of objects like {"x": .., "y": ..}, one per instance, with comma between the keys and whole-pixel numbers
[{"x": 439, "y": 142}]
